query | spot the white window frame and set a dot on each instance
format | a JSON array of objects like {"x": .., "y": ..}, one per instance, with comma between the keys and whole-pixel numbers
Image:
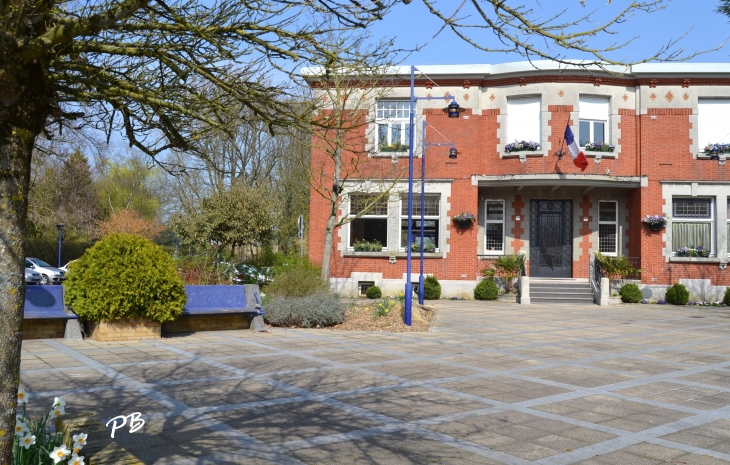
[
  {"x": 711, "y": 221},
  {"x": 487, "y": 221},
  {"x": 615, "y": 225},
  {"x": 366, "y": 216},
  {"x": 712, "y": 121},
  {"x": 382, "y": 119},
  {"x": 588, "y": 111},
  {"x": 516, "y": 120},
  {"x": 417, "y": 217}
]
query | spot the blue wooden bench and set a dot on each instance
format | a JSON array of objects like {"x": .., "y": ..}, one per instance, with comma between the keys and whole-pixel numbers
[
  {"x": 46, "y": 303},
  {"x": 217, "y": 308}
]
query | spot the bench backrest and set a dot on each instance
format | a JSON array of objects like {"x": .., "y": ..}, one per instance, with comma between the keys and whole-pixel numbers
[
  {"x": 216, "y": 299},
  {"x": 45, "y": 302}
]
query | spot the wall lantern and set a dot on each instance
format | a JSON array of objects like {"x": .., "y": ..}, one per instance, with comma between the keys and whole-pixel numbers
[
  {"x": 452, "y": 153},
  {"x": 453, "y": 109}
]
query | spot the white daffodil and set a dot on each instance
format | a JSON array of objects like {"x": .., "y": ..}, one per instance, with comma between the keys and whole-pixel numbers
[
  {"x": 22, "y": 396},
  {"x": 59, "y": 453},
  {"x": 76, "y": 449},
  {"x": 56, "y": 412},
  {"x": 76, "y": 460},
  {"x": 58, "y": 401},
  {"x": 80, "y": 439},
  {"x": 27, "y": 440},
  {"x": 20, "y": 427}
]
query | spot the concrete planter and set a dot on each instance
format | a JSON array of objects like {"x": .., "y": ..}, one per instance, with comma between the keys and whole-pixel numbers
[
  {"x": 614, "y": 301},
  {"x": 126, "y": 329},
  {"x": 511, "y": 298}
]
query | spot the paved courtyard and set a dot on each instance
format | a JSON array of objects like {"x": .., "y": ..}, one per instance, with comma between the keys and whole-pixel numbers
[{"x": 491, "y": 383}]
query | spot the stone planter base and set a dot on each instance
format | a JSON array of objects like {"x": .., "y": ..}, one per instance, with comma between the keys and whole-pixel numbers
[
  {"x": 614, "y": 301},
  {"x": 126, "y": 329},
  {"x": 508, "y": 298}
]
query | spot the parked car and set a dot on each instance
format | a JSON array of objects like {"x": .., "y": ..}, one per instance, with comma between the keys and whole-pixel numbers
[
  {"x": 49, "y": 274},
  {"x": 32, "y": 277},
  {"x": 64, "y": 268},
  {"x": 249, "y": 274}
]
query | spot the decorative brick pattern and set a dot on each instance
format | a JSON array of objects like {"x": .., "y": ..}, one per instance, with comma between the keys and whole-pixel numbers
[
  {"x": 125, "y": 329},
  {"x": 517, "y": 232}
]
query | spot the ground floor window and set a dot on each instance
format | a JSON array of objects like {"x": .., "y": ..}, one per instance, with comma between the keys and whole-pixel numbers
[
  {"x": 431, "y": 215},
  {"x": 370, "y": 220},
  {"x": 692, "y": 223},
  {"x": 494, "y": 227},
  {"x": 608, "y": 227}
]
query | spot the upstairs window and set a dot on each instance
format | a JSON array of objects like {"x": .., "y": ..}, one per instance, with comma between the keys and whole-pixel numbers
[
  {"x": 523, "y": 120},
  {"x": 692, "y": 223},
  {"x": 713, "y": 122},
  {"x": 372, "y": 225},
  {"x": 593, "y": 128},
  {"x": 608, "y": 228},
  {"x": 494, "y": 227},
  {"x": 392, "y": 118},
  {"x": 431, "y": 222}
]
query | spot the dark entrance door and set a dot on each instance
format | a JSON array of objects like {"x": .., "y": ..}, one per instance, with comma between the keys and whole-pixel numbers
[{"x": 551, "y": 238}]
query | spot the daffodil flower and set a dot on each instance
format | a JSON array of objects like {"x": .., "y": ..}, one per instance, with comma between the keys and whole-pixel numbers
[
  {"x": 80, "y": 439},
  {"x": 59, "y": 453},
  {"x": 59, "y": 402},
  {"x": 76, "y": 460},
  {"x": 22, "y": 396},
  {"x": 77, "y": 449},
  {"x": 27, "y": 440},
  {"x": 56, "y": 412},
  {"x": 20, "y": 427}
]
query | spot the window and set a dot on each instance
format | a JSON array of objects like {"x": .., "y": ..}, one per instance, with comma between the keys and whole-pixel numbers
[
  {"x": 593, "y": 117},
  {"x": 713, "y": 124},
  {"x": 494, "y": 227},
  {"x": 692, "y": 223},
  {"x": 523, "y": 120},
  {"x": 431, "y": 217},
  {"x": 608, "y": 228},
  {"x": 393, "y": 118},
  {"x": 728, "y": 226},
  {"x": 372, "y": 226}
]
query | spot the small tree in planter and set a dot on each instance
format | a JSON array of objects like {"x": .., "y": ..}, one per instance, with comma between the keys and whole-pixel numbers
[
  {"x": 507, "y": 267},
  {"x": 616, "y": 267},
  {"x": 123, "y": 277}
]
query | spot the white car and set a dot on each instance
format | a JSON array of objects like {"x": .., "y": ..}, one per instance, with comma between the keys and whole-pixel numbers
[
  {"x": 32, "y": 277},
  {"x": 49, "y": 274}
]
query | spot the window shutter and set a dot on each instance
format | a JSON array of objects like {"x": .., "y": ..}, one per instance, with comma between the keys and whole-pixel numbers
[
  {"x": 595, "y": 108},
  {"x": 713, "y": 125},
  {"x": 523, "y": 119}
]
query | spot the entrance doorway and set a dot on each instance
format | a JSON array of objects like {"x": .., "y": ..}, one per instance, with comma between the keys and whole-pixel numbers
[{"x": 551, "y": 238}]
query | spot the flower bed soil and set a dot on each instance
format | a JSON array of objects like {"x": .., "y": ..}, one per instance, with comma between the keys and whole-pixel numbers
[{"x": 359, "y": 317}]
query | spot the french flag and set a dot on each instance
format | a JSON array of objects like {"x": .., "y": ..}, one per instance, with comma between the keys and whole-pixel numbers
[{"x": 576, "y": 154}]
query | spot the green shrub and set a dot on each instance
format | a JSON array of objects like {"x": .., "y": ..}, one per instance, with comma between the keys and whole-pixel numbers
[
  {"x": 486, "y": 290},
  {"x": 373, "y": 292},
  {"x": 616, "y": 267},
  {"x": 431, "y": 288},
  {"x": 677, "y": 294},
  {"x": 123, "y": 276},
  {"x": 305, "y": 312},
  {"x": 631, "y": 294},
  {"x": 296, "y": 278},
  {"x": 726, "y": 300}
]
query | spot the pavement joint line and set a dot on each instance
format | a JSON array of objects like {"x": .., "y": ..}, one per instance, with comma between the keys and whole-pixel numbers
[
  {"x": 690, "y": 449},
  {"x": 244, "y": 440}
]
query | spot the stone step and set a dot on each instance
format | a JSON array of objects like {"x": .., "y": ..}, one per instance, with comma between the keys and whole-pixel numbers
[
  {"x": 561, "y": 295},
  {"x": 548, "y": 287},
  {"x": 562, "y": 301}
]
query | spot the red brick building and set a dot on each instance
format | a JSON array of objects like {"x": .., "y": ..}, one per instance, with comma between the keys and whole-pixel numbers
[{"x": 654, "y": 123}]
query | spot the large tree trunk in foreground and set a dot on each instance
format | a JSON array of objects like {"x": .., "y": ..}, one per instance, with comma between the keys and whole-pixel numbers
[
  {"x": 15, "y": 156},
  {"x": 329, "y": 233}
]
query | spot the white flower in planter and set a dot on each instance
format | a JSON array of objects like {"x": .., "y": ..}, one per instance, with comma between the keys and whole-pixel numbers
[
  {"x": 80, "y": 439},
  {"x": 22, "y": 396},
  {"x": 59, "y": 402},
  {"x": 27, "y": 440},
  {"x": 76, "y": 460},
  {"x": 59, "y": 453},
  {"x": 56, "y": 412},
  {"x": 20, "y": 427}
]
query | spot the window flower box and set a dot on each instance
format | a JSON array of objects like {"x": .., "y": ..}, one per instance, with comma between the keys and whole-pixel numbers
[
  {"x": 599, "y": 147},
  {"x": 393, "y": 148},
  {"x": 428, "y": 248},
  {"x": 698, "y": 251},
  {"x": 522, "y": 146},
  {"x": 654, "y": 223},
  {"x": 365, "y": 246}
]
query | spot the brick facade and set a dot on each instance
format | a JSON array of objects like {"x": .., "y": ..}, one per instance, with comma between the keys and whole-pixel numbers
[
  {"x": 125, "y": 329},
  {"x": 653, "y": 124}
]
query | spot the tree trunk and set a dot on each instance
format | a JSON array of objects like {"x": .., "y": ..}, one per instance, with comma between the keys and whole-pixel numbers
[
  {"x": 16, "y": 148},
  {"x": 329, "y": 233}
]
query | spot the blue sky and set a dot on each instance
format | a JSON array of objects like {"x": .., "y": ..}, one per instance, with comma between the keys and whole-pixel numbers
[{"x": 412, "y": 25}]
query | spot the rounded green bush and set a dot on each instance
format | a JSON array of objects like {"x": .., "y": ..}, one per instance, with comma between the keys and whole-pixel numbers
[
  {"x": 631, "y": 294},
  {"x": 373, "y": 292},
  {"x": 124, "y": 276},
  {"x": 486, "y": 290},
  {"x": 677, "y": 294},
  {"x": 431, "y": 288},
  {"x": 726, "y": 300}
]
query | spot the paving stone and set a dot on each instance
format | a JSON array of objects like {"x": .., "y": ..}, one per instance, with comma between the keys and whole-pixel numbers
[
  {"x": 421, "y": 370},
  {"x": 172, "y": 371},
  {"x": 64, "y": 380},
  {"x": 272, "y": 363},
  {"x": 575, "y": 376},
  {"x": 225, "y": 392},
  {"x": 504, "y": 389},
  {"x": 328, "y": 381}
]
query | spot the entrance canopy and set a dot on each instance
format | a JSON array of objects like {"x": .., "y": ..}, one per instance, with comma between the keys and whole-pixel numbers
[{"x": 563, "y": 180}]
